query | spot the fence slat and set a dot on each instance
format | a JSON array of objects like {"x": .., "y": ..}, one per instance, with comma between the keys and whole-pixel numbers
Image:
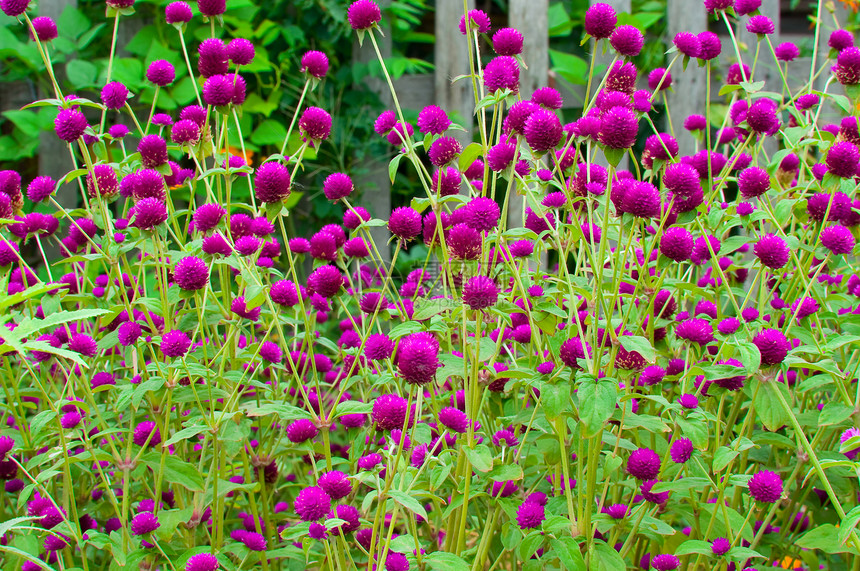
[
  {"x": 531, "y": 17},
  {"x": 452, "y": 59},
  {"x": 688, "y": 92}
]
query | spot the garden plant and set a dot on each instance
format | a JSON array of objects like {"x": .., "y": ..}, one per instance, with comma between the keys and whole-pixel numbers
[{"x": 651, "y": 368}]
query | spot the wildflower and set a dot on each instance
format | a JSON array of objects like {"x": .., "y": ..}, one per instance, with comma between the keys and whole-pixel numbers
[
  {"x": 618, "y": 128},
  {"x": 480, "y": 292},
  {"x": 433, "y": 120},
  {"x": 665, "y": 562},
  {"x": 677, "y": 244},
  {"x": 144, "y": 523},
  {"x": 444, "y": 150},
  {"x": 202, "y": 562},
  {"x": 70, "y": 124},
  {"x": 454, "y": 420},
  {"x": 766, "y": 487},
  {"x": 335, "y": 484},
  {"x": 161, "y": 73},
  {"x": 643, "y": 464},
  {"x": 363, "y": 14},
  {"x": 760, "y": 25},
  {"x": 480, "y": 19},
  {"x": 842, "y": 158},
  {"x": 717, "y": 5},
  {"x": 389, "y": 412},
  {"x": 272, "y": 182},
  {"x": 177, "y": 13},
  {"x": 240, "y": 51},
  {"x": 696, "y": 331},
  {"x": 153, "y": 151},
  {"x": 840, "y": 40},
  {"x": 175, "y": 343},
  {"x": 773, "y": 346},
  {"x": 191, "y": 273},
  {"x": 315, "y": 123},
  {"x": 530, "y": 515},
  {"x": 543, "y": 130},
  {"x": 301, "y": 430},
  {"x": 502, "y": 72},
  {"x": 404, "y": 222},
  {"x": 418, "y": 358},
  {"x": 710, "y": 45},
  {"x": 627, "y": 41},
  {"x": 772, "y": 251},
  {"x": 838, "y": 240},
  {"x": 600, "y": 20},
  {"x": 847, "y": 68},
  {"x": 508, "y": 42},
  {"x": 788, "y": 51}
]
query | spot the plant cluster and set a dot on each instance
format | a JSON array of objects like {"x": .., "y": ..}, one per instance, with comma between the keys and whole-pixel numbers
[{"x": 654, "y": 368}]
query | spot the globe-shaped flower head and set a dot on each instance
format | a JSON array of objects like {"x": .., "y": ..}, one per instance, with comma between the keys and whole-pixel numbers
[
  {"x": 404, "y": 222},
  {"x": 45, "y": 27},
  {"x": 433, "y": 120},
  {"x": 272, "y": 182},
  {"x": 688, "y": 44},
  {"x": 543, "y": 130},
  {"x": 600, "y": 20},
  {"x": 418, "y": 357},
  {"x": 760, "y": 25},
  {"x": 508, "y": 42},
  {"x": 114, "y": 95},
  {"x": 191, "y": 273},
  {"x": 847, "y": 68},
  {"x": 161, "y": 73},
  {"x": 842, "y": 159},
  {"x": 480, "y": 292},
  {"x": 444, "y": 150},
  {"x": 70, "y": 124},
  {"x": 149, "y": 213},
  {"x": 772, "y": 251},
  {"x": 530, "y": 515},
  {"x": 175, "y": 343},
  {"x": 240, "y": 51},
  {"x": 837, "y": 239},
  {"x": 212, "y": 8},
  {"x": 178, "y": 13},
  {"x": 773, "y": 346},
  {"x": 502, "y": 72},
  {"x": 766, "y": 487},
  {"x": 202, "y": 562},
  {"x": 643, "y": 464},
  {"x": 389, "y": 412},
  {"x": 337, "y": 186},
  {"x": 312, "y": 503},
  {"x": 363, "y": 14},
  {"x": 627, "y": 41},
  {"x": 315, "y": 64},
  {"x": 315, "y": 123}
]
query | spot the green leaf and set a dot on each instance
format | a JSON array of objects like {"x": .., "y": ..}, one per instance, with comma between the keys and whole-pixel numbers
[
  {"x": 723, "y": 457},
  {"x": 824, "y": 537},
  {"x": 269, "y": 132},
  {"x": 728, "y": 88},
  {"x": 735, "y": 523},
  {"x": 81, "y": 73},
  {"x": 753, "y": 87},
  {"x": 639, "y": 345},
  {"x": 568, "y": 552},
  {"x": 175, "y": 471},
  {"x": 555, "y": 399},
  {"x": 614, "y": 156},
  {"x": 767, "y": 405},
  {"x": 408, "y": 502},
  {"x": 572, "y": 68},
  {"x": 480, "y": 457},
  {"x": 834, "y": 413},
  {"x": 848, "y": 524},
  {"x": 596, "y": 404},
  {"x": 392, "y": 167},
  {"x": 749, "y": 356},
  {"x": 694, "y": 546},
  {"x": 443, "y": 561},
  {"x": 468, "y": 156},
  {"x": 506, "y": 472},
  {"x": 605, "y": 558},
  {"x": 29, "y": 326},
  {"x": 186, "y": 433}
]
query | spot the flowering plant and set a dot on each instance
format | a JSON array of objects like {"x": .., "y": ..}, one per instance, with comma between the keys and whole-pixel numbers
[{"x": 676, "y": 390}]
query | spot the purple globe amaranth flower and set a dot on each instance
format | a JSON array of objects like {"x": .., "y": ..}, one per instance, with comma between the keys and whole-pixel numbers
[
  {"x": 114, "y": 95},
  {"x": 326, "y": 280},
  {"x": 337, "y": 186},
  {"x": 773, "y": 346},
  {"x": 508, "y": 42},
  {"x": 185, "y": 132},
  {"x": 118, "y": 131},
  {"x": 677, "y": 244},
  {"x": 695, "y": 330},
  {"x": 600, "y": 20},
  {"x": 772, "y": 251},
  {"x": 211, "y": 8},
  {"x": 70, "y": 124},
  {"x": 548, "y": 98},
  {"x": 102, "y": 181},
  {"x": 688, "y": 44},
  {"x": 840, "y": 39},
  {"x": 838, "y": 240},
  {"x": 480, "y": 19},
  {"x": 240, "y": 51},
  {"x": 178, "y": 13},
  {"x": 502, "y": 72},
  {"x": 363, "y": 14},
  {"x": 641, "y": 199},
  {"x": 530, "y": 515},
  {"x": 842, "y": 159},
  {"x": 695, "y": 123},
  {"x": 315, "y": 123},
  {"x": 480, "y": 292},
  {"x": 643, "y": 464},
  {"x": 161, "y": 73},
  {"x": 444, "y": 150},
  {"x": 572, "y": 350},
  {"x": 149, "y": 213},
  {"x": 335, "y": 484},
  {"x": 45, "y": 28},
  {"x": 621, "y": 77},
  {"x": 314, "y": 63},
  {"x": 143, "y": 523},
  {"x": 753, "y": 182},
  {"x": 728, "y": 325},
  {"x": 717, "y": 5},
  {"x": 202, "y": 562},
  {"x": 746, "y": 7},
  {"x": 153, "y": 151},
  {"x": 681, "y": 450},
  {"x": 760, "y": 25},
  {"x": 301, "y": 430},
  {"x": 175, "y": 343},
  {"x": 500, "y": 156},
  {"x": 618, "y": 128},
  {"x": 847, "y": 68},
  {"x": 14, "y": 8},
  {"x": 312, "y": 503},
  {"x": 658, "y": 498},
  {"x": 665, "y": 562},
  {"x": 659, "y": 78},
  {"x": 627, "y": 41},
  {"x": 272, "y": 182},
  {"x": 218, "y": 90},
  {"x": 389, "y": 412},
  {"x": 213, "y": 58},
  {"x": 464, "y": 242},
  {"x": 146, "y": 431},
  {"x": 269, "y": 351},
  {"x": 766, "y": 487},
  {"x": 396, "y": 562},
  {"x": 787, "y": 51},
  {"x": 454, "y": 420},
  {"x": 128, "y": 333},
  {"x": 761, "y": 115},
  {"x": 543, "y": 130},
  {"x": 404, "y": 222},
  {"x": 681, "y": 179},
  {"x": 482, "y": 213},
  {"x": 710, "y": 45},
  {"x": 191, "y": 273},
  {"x": 208, "y": 216},
  {"x": 433, "y": 120},
  {"x": 418, "y": 358}
]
